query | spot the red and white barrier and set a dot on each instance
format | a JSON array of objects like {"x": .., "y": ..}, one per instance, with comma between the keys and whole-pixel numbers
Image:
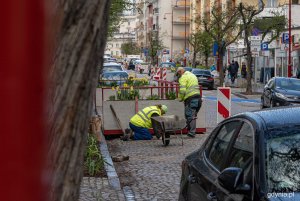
[
  {"x": 158, "y": 74},
  {"x": 164, "y": 74},
  {"x": 223, "y": 103},
  {"x": 152, "y": 72}
]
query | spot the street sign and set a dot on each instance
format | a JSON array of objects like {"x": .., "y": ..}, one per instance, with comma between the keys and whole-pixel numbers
[
  {"x": 255, "y": 38},
  {"x": 285, "y": 38},
  {"x": 255, "y": 54},
  {"x": 264, "y": 46},
  {"x": 255, "y": 48}
]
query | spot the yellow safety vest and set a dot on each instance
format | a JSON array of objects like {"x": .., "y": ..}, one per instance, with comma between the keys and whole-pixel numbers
[
  {"x": 189, "y": 86},
  {"x": 143, "y": 117}
]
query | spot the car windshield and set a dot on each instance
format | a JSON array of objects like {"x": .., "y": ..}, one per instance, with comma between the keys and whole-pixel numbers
[
  {"x": 203, "y": 72},
  {"x": 288, "y": 84},
  {"x": 115, "y": 75},
  {"x": 112, "y": 68},
  {"x": 283, "y": 159}
]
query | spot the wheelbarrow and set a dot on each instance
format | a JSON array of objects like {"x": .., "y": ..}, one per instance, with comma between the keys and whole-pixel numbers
[{"x": 165, "y": 126}]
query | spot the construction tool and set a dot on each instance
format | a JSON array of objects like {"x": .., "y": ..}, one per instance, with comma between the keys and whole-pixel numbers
[{"x": 117, "y": 119}]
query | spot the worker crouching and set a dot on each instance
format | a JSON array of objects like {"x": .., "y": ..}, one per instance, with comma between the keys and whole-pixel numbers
[{"x": 140, "y": 123}]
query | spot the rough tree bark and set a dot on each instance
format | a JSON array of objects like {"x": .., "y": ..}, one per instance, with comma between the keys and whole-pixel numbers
[{"x": 80, "y": 47}]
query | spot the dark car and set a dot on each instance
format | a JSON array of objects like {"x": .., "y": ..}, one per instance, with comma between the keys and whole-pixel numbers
[
  {"x": 188, "y": 69},
  {"x": 281, "y": 91},
  {"x": 205, "y": 78},
  {"x": 253, "y": 156},
  {"x": 132, "y": 62},
  {"x": 109, "y": 78}
]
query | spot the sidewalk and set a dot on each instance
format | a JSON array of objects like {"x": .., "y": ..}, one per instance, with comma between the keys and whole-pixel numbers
[{"x": 104, "y": 188}]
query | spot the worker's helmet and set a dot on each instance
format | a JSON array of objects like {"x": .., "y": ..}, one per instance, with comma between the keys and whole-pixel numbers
[{"x": 164, "y": 108}]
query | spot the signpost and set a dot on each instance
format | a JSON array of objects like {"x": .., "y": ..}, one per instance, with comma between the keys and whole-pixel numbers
[{"x": 255, "y": 43}]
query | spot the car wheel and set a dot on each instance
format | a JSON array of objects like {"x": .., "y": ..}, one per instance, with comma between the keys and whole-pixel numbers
[
  {"x": 166, "y": 139},
  {"x": 272, "y": 103},
  {"x": 262, "y": 105},
  {"x": 211, "y": 87}
]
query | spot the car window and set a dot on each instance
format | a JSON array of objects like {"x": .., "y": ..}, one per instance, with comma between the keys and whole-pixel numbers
[
  {"x": 221, "y": 142},
  {"x": 283, "y": 159},
  {"x": 242, "y": 150}
]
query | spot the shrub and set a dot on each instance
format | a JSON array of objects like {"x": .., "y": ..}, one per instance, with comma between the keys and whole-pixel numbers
[{"x": 93, "y": 161}]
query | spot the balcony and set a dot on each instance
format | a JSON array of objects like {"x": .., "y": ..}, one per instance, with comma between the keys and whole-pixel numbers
[
  {"x": 181, "y": 20},
  {"x": 181, "y": 5},
  {"x": 181, "y": 35}
]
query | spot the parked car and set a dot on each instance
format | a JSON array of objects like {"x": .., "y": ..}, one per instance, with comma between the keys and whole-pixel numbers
[
  {"x": 112, "y": 67},
  {"x": 188, "y": 69},
  {"x": 205, "y": 78},
  {"x": 113, "y": 78},
  {"x": 131, "y": 65},
  {"x": 251, "y": 156},
  {"x": 281, "y": 91},
  {"x": 175, "y": 78},
  {"x": 167, "y": 64}
]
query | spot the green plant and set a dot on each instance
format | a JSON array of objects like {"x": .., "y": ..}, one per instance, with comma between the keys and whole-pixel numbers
[
  {"x": 128, "y": 94},
  {"x": 114, "y": 84},
  {"x": 93, "y": 161},
  {"x": 171, "y": 95},
  {"x": 153, "y": 97},
  {"x": 112, "y": 98}
]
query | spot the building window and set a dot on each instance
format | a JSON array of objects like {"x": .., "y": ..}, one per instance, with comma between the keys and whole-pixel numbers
[
  {"x": 272, "y": 3},
  {"x": 295, "y": 1},
  {"x": 117, "y": 45},
  {"x": 112, "y": 53},
  {"x": 117, "y": 53}
]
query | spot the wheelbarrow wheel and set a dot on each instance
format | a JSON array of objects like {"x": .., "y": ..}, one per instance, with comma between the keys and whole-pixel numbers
[{"x": 166, "y": 139}]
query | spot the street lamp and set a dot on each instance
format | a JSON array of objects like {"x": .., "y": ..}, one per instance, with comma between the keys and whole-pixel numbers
[{"x": 184, "y": 32}]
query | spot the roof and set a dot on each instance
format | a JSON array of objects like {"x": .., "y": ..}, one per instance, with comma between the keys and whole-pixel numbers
[
  {"x": 279, "y": 116},
  {"x": 111, "y": 64}
]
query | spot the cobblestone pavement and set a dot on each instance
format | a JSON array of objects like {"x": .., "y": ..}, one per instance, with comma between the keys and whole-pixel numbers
[
  {"x": 98, "y": 189},
  {"x": 153, "y": 171}
]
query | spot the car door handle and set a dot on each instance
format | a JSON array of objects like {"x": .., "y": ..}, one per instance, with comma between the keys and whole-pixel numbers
[
  {"x": 212, "y": 196},
  {"x": 192, "y": 179}
]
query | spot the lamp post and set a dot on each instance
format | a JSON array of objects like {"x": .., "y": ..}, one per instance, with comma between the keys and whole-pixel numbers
[{"x": 290, "y": 40}]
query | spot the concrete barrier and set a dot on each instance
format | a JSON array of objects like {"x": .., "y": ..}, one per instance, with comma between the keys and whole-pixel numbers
[{"x": 126, "y": 109}]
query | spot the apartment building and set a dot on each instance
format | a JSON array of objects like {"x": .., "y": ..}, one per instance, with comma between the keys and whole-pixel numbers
[
  {"x": 275, "y": 58},
  {"x": 169, "y": 21},
  {"x": 125, "y": 33}
]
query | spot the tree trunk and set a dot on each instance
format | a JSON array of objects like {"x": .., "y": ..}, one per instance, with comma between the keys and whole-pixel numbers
[
  {"x": 194, "y": 59},
  {"x": 220, "y": 64},
  {"x": 81, "y": 42},
  {"x": 206, "y": 60},
  {"x": 249, "y": 63}
]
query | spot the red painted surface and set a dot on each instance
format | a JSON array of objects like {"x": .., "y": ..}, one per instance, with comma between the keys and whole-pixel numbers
[
  {"x": 226, "y": 92},
  {"x": 222, "y": 110},
  {"x": 21, "y": 103}
]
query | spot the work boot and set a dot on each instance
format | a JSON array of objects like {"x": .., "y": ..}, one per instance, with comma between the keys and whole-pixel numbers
[
  {"x": 125, "y": 137},
  {"x": 192, "y": 135}
]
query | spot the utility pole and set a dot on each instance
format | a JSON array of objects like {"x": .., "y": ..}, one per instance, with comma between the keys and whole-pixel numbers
[{"x": 290, "y": 40}]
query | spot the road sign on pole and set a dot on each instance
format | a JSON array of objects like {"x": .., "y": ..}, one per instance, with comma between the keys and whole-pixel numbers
[
  {"x": 285, "y": 38},
  {"x": 264, "y": 46}
]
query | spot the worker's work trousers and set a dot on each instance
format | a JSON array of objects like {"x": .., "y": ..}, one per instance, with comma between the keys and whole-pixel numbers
[
  {"x": 140, "y": 133},
  {"x": 191, "y": 110}
]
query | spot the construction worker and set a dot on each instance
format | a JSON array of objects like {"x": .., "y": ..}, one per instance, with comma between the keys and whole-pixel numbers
[
  {"x": 141, "y": 122},
  {"x": 189, "y": 93}
]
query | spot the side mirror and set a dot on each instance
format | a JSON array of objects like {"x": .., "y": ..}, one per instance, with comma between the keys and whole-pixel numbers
[{"x": 232, "y": 179}]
